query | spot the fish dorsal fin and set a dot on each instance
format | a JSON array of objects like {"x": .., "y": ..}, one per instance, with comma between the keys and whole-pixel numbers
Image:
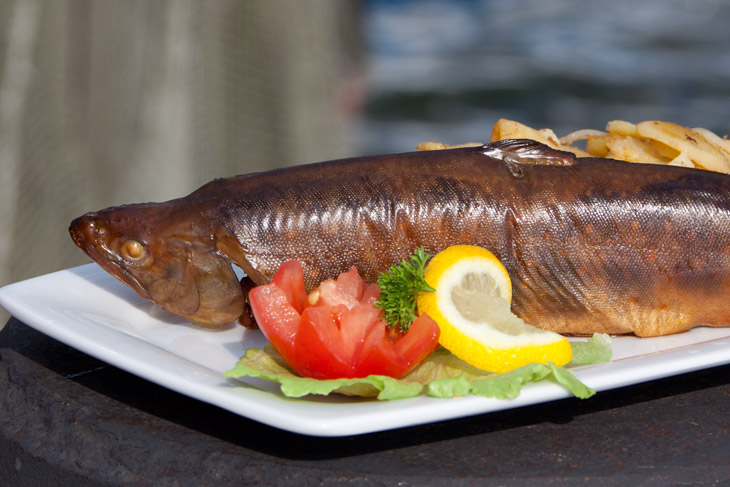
[{"x": 518, "y": 153}]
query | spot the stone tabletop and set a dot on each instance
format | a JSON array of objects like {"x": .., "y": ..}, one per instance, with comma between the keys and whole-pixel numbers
[{"x": 67, "y": 419}]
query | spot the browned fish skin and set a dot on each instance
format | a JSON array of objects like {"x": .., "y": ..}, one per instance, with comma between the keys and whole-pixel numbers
[{"x": 592, "y": 245}]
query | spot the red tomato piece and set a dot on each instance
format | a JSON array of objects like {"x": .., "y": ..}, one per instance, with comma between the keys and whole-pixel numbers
[
  {"x": 346, "y": 289},
  {"x": 395, "y": 358},
  {"x": 276, "y": 317},
  {"x": 355, "y": 325},
  {"x": 320, "y": 351},
  {"x": 330, "y": 340},
  {"x": 290, "y": 278},
  {"x": 421, "y": 341},
  {"x": 337, "y": 331},
  {"x": 351, "y": 283},
  {"x": 370, "y": 294},
  {"x": 379, "y": 357}
]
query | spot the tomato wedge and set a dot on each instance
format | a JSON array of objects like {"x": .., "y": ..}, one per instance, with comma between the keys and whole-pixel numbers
[{"x": 336, "y": 331}]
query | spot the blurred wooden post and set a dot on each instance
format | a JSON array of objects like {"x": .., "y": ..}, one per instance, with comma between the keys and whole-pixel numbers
[{"x": 104, "y": 102}]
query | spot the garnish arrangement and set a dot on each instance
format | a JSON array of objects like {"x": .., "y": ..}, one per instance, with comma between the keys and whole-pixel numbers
[
  {"x": 349, "y": 337},
  {"x": 440, "y": 375}
]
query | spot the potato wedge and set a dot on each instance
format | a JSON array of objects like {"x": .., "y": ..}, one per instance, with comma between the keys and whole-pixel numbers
[
  {"x": 649, "y": 142},
  {"x": 714, "y": 139},
  {"x": 621, "y": 127},
  {"x": 509, "y": 129},
  {"x": 441, "y": 146},
  {"x": 597, "y": 146},
  {"x": 685, "y": 140},
  {"x": 632, "y": 149},
  {"x": 682, "y": 160}
]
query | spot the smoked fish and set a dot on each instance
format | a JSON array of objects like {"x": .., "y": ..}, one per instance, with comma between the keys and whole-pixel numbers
[{"x": 592, "y": 245}]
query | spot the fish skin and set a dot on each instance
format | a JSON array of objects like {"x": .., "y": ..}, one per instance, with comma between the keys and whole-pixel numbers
[{"x": 592, "y": 245}]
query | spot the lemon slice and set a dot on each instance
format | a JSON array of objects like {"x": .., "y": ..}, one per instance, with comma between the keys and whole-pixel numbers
[{"x": 472, "y": 308}]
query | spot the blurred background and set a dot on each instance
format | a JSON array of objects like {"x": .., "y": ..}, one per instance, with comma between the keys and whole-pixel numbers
[{"x": 105, "y": 102}]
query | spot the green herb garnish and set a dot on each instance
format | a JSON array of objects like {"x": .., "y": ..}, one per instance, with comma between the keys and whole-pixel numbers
[{"x": 399, "y": 288}]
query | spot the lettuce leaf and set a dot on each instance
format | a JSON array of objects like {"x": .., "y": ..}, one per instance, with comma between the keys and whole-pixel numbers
[
  {"x": 441, "y": 375},
  {"x": 597, "y": 350}
]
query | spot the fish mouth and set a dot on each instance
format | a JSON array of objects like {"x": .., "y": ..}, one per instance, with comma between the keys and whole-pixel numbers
[
  {"x": 90, "y": 236},
  {"x": 82, "y": 232}
]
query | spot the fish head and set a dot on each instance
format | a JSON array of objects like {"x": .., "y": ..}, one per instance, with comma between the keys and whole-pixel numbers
[{"x": 163, "y": 257}]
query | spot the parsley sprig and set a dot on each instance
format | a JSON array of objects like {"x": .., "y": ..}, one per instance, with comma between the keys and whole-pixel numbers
[{"x": 399, "y": 288}]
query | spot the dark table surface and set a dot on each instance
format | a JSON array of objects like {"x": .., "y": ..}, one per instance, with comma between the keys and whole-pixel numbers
[{"x": 68, "y": 419}]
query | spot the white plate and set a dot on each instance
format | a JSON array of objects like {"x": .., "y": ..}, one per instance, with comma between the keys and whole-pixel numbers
[{"x": 89, "y": 310}]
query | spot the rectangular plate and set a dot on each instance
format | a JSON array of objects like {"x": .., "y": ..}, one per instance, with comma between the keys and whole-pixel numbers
[{"x": 88, "y": 309}]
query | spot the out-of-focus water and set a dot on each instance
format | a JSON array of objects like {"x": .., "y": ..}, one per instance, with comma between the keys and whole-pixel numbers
[{"x": 447, "y": 70}]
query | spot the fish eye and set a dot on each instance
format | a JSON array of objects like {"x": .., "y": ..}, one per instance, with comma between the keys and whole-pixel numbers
[{"x": 133, "y": 250}]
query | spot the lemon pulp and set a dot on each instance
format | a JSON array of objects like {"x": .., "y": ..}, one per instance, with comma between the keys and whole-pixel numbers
[{"x": 472, "y": 308}]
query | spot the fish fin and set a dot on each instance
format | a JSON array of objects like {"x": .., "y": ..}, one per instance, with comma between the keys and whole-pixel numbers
[
  {"x": 220, "y": 293},
  {"x": 518, "y": 153}
]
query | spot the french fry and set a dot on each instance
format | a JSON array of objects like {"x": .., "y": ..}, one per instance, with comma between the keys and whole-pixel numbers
[
  {"x": 442, "y": 146},
  {"x": 431, "y": 146},
  {"x": 632, "y": 149},
  {"x": 509, "y": 129},
  {"x": 714, "y": 139},
  {"x": 663, "y": 149},
  {"x": 621, "y": 127},
  {"x": 682, "y": 160},
  {"x": 651, "y": 142},
  {"x": 597, "y": 146},
  {"x": 648, "y": 142},
  {"x": 685, "y": 140}
]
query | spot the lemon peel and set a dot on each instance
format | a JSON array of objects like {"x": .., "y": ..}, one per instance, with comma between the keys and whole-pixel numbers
[{"x": 472, "y": 308}]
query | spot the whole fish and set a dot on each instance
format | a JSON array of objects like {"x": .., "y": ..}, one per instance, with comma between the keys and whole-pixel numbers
[{"x": 591, "y": 245}]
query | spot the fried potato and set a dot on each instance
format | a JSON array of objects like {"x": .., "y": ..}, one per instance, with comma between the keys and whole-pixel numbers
[
  {"x": 597, "y": 146},
  {"x": 687, "y": 141},
  {"x": 714, "y": 139},
  {"x": 682, "y": 160},
  {"x": 621, "y": 127},
  {"x": 509, "y": 129},
  {"x": 632, "y": 149},
  {"x": 651, "y": 142},
  {"x": 442, "y": 146}
]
